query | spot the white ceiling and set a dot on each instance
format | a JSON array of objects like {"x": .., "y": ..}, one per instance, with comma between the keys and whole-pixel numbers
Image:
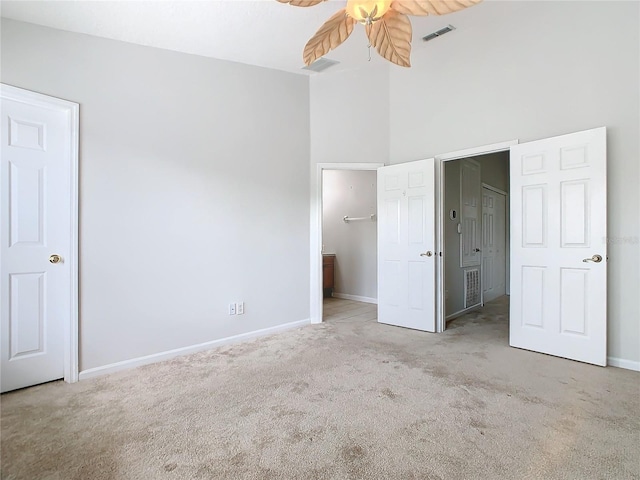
[{"x": 256, "y": 32}]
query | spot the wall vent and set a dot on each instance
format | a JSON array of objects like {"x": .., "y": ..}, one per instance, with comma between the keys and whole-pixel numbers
[
  {"x": 321, "y": 64},
  {"x": 440, "y": 32},
  {"x": 471, "y": 288}
]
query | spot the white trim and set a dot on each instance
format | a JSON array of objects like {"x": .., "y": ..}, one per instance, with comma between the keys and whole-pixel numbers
[
  {"x": 463, "y": 311},
  {"x": 169, "y": 354},
  {"x": 622, "y": 363},
  {"x": 494, "y": 189},
  {"x": 315, "y": 237},
  {"x": 355, "y": 298},
  {"x": 441, "y": 321},
  {"x": 73, "y": 113},
  {"x": 472, "y": 152}
]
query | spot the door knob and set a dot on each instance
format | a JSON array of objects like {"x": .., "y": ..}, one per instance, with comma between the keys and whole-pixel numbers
[
  {"x": 426, "y": 254},
  {"x": 594, "y": 259},
  {"x": 476, "y": 249},
  {"x": 55, "y": 258}
]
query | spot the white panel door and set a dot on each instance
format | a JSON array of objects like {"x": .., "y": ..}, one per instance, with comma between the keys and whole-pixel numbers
[
  {"x": 558, "y": 246},
  {"x": 493, "y": 245},
  {"x": 470, "y": 211},
  {"x": 35, "y": 211},
  {"x": 406, "y": 245}
]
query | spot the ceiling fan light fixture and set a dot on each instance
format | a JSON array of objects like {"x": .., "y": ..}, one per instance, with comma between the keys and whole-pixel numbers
[
  {"x": 386, "y": 23},
  {"x": 367, "y": 11}
]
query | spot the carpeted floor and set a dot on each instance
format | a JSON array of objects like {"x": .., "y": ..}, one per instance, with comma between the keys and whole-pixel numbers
[{"x": 350, "y": 398}]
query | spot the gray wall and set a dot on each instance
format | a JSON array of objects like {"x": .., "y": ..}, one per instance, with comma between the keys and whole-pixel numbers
[
  {"x": 190, "y": 190},
  {"x": 495, "y": 170},
  {"x": 350, "y": 117},
  {"x": 352, "y": 193},
  {"x": 522, "y": 70},
  {"x": 453, "y": 273}
]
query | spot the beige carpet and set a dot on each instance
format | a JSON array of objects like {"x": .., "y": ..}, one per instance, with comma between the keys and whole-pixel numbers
[{"x": 346, "y": 399}]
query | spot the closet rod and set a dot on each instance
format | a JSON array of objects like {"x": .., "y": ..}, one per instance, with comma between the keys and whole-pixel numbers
[{"x": 348, "y": 219}]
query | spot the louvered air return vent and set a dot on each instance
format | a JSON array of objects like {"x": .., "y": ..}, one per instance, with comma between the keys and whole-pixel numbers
[
  {"x": 321, "y": 64},
  {"x": 471, "y": 288},
  {"x": 439, "y": 33}
]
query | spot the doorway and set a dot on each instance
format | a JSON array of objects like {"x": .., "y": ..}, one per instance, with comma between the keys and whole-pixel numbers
[
  {"x": 557, "y": 260},
  {"x": 341, "y": 177},
  {"x": 349, "y": 242},
  {"x": 475, "y": 228}
]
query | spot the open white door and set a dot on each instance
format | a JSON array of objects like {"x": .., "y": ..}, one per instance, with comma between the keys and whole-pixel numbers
[
  {"x": 558, "y": 246},
  {"x": 494, "y": 265},
  {"x": 406, "y": 245}
]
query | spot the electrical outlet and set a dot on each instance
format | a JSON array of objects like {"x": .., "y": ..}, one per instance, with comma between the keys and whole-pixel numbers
[
  {"x": 240, "y": 308},
  {"x": 232, "y": 309}
]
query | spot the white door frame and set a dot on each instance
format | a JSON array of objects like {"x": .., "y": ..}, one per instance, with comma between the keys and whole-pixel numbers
[
  {"x": 440, "y": 214},
  {"x": 72, "y": 109},
  {"x": 315, "y": 252}
]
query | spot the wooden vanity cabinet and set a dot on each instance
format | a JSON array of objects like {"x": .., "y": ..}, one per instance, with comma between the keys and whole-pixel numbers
[{"x": 328, "y": 265}]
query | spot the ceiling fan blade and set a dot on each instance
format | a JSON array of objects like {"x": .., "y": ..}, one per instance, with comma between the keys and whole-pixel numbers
[
  {"x": 302, "y": 3},
  {"x": 331, "y": 34},
  {"x": 391, "y": 36},
  {"x": 431, "y": 7}
]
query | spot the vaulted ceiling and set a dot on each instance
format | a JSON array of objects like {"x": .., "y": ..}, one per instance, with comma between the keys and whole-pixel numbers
[{"x": 265, "y": 33}]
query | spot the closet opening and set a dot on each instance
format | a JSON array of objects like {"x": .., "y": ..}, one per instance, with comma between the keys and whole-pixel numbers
[{"x": 475, "y": 233}]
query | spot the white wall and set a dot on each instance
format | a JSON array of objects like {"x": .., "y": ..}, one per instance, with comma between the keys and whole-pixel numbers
[
  {"x": 352, "y": 193},
  {"x": 525, "y": 70},
  {"x": 190, "y": 191}
]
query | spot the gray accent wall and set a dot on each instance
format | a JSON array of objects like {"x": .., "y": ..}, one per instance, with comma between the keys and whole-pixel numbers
[{"x": 193, "y": 189}]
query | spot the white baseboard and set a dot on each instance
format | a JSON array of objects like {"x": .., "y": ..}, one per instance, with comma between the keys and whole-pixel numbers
[
  {"x": 159, "y": 357},
  {"x": 622, "y": 363},
  {"x": 355, "y": 298}
]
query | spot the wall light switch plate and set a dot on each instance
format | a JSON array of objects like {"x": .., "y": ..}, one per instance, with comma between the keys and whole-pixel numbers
[{"x": 232, "y": 309}]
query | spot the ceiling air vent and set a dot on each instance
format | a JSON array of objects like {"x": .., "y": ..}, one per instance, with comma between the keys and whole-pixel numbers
[
  {"x": 321, "y": 64},
  {"x": 440, "y": 32}
]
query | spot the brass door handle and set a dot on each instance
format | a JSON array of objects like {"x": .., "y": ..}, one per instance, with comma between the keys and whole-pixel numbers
[
  {"x": 426, "y": 254},
  {"x": 594, "y": 259},
  {"x": 55, "y": 258}
]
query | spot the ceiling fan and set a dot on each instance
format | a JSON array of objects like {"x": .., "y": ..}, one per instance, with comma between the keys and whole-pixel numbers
[{"x": 386, "y": 22}]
